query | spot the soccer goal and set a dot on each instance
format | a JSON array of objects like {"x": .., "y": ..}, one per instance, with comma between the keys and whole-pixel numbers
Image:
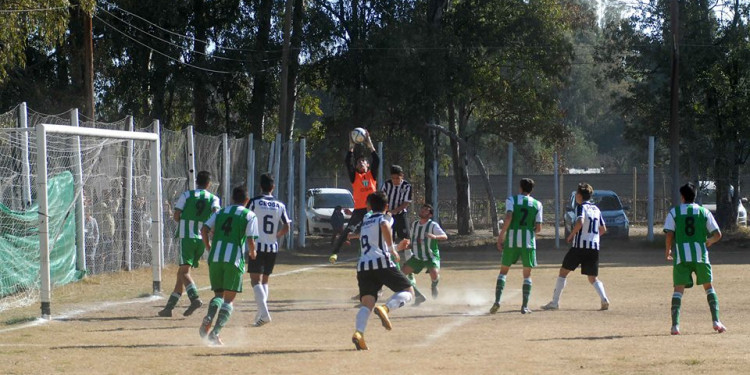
[{"x": 76, "y": 201}]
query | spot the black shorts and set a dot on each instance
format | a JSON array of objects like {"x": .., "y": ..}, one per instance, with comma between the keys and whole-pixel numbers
[
  {"x": 356, "y": 219},
  {"x": 400, "y": 227},
  {"x": 263, "y": 263},
  {"x": 371, "y": 281},
  {"x": 588, "y": 259}
]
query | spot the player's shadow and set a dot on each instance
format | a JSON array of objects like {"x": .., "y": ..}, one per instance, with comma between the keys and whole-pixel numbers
[
  {"x": 135, "y": 346},
  {"x": 108, "y": 319},
  {"x": 269, "y": 352},
  {"x": 120, "y": 329},
  {"x": 587, "y": 338}
]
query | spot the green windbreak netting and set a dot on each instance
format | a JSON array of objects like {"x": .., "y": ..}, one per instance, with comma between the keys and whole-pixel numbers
[{"x": 19, "y": 240}]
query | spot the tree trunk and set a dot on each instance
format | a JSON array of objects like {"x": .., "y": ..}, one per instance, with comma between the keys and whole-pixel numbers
[
  {"x": 460, "y": 173},
  {"x": 480, "y": 165},
  {"x": 260, "y": 77},
  {"x": 200, "y": 93},
  {"x": 295, "y": 48},
  {"x": 429, "y": 139}
]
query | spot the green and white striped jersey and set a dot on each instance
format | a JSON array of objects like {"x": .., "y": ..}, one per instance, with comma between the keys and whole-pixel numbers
[
  {"x": 424, "y": 248},
  {"x": 196, "y": 207},
  {"x": 527, "y": 212},
  {"x": 232, "y": 226},
  {"x": 691, "y": 225}
]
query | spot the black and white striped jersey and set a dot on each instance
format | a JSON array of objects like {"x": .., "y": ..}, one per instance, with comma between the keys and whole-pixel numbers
[
  {"x": 397, "y": 194},
  {"x": 271, "y": 217},
  {"x": 374, "y": 253},
  {"x": 588, "y": 236}
]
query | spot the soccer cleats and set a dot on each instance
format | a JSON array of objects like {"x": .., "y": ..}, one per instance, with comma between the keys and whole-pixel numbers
[
  {"x": 359, "y": 341},
  {"x": 382, "y": 313},
  {"x": 718, "y": 327},
  {"x": 494, "y": 308},
  {"x": 419, "y": 299},
  {"x": 166, "y": 313},
  {"x": 435, "y": 290},
  {"x": 261, "y": 322},
  {"x": 551, "y": 306},
  {"x": 205, "y": 327},
  {"x": 605, "y": 305},
  {"x": 525, "y": 310},
  {"x": 194, "y": 305},
  {"x": 675, "y": 330},
  {"x": 214, "y": 340}
]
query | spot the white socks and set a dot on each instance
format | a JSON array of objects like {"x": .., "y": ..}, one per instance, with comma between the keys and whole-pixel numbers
[
  {"x": 260, "y": 300},
  {"x": 599, "y": 287},
  {"x": 559, "y": 286},
  {"x": 397, "y": 300},
  {"x": 362, "y": 315}
]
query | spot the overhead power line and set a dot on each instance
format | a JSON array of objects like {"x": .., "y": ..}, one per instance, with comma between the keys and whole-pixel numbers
[
  {"x": 170, "y": 42},
  {"x": 177, "y": 60}
]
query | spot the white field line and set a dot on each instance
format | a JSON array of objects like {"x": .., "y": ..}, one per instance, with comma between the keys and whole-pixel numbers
[
  {"x": 100, "y": 306},
  {"x": 456, "y": 323}
]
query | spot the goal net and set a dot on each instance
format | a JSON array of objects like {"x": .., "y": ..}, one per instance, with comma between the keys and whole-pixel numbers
[{"x": 100, "y": 213}]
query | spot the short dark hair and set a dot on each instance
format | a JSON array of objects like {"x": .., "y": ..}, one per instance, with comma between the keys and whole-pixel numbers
[
  {"x": 267, "y": 182},
  {"x": 585, "y": 190},
  {"x": 688, "y": 192},
  {"x": 203, "y": 179},
  {"x": 429, "y": 207},
  {"x": 377, "y": 201},
  {"x": 396, "y": 169},
  {"x": 527, "y": 185},
  {"x": 239, "y": 194}
]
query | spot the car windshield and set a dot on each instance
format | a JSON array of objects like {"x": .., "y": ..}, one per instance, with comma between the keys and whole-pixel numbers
[
  {"x": 607, "y": 202},
  {"x": 333, "y": 200}
]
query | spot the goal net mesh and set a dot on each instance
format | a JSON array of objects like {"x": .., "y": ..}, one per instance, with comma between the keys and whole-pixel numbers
[{"x": 104, "y": 193}]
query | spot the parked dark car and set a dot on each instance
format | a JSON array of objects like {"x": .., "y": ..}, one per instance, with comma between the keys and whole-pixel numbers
[{"x": 612, "y": 210}]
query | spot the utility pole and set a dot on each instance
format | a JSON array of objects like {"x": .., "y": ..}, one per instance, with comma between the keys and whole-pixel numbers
[
  {"x": 674, "y": 116},
  {"x": 88, "y": 66},
  {"x": 283, "y": 110}
]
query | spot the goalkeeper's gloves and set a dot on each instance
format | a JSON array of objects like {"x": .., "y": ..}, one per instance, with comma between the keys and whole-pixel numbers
[{"x": 333, "y": 258}]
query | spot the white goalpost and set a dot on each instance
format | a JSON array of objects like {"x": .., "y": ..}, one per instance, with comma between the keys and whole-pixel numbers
[{"x": 154, "y": 199}]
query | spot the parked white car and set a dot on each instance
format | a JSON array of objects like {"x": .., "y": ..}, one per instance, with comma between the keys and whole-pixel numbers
[
  {"x": 320, "y": 205},
  {"x": 707, "y": 198}
]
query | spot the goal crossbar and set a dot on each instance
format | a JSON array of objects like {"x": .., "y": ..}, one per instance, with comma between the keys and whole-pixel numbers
[{"x": 155, "y": 174}]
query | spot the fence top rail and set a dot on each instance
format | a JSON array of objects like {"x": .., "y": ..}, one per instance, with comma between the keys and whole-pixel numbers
[{"x": 104, "y": 133}]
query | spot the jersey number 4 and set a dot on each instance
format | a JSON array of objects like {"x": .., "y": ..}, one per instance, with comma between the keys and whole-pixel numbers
[{"x": 365, "y": 244}]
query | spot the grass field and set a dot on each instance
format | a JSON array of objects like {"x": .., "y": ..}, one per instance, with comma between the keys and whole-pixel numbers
[{"x": 107, "y": 324}]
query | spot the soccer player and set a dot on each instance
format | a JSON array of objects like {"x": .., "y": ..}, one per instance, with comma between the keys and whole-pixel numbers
[
  {"x": 231, "y": 227},
  {"x": 398, "y": 191},
  {"x": 425, "y": 235},
  {"x": 585, "y": 235},
  {"x": 375, "y": 269},
  {"x": 192, "y": 209},
  {"x": 691, "y": 229},
  {"x": 517, "y": 239},
  {"x": 274, "y": 224},
  {"x": 363, "y": 184}
]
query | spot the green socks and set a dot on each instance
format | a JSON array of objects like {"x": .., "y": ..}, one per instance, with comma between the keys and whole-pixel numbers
[
  {"x": 526, "y": 291},
  {"x": 192, "y": 291},
  {"x": 213, "y": 307},
  {"x": 224, "y": 313},
  {"x": 499, "y": 286},
  {"x": 676, "y": 302},
  {"x": 713, "y": 304},
  {"x": 172, "y": 301}
]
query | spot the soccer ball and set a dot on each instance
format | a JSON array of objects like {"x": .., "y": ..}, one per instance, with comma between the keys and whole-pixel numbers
[{"x": 358, "y": 135}]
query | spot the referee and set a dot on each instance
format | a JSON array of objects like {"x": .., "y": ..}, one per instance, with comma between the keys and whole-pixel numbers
[{"x": 398, "y": 191}]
